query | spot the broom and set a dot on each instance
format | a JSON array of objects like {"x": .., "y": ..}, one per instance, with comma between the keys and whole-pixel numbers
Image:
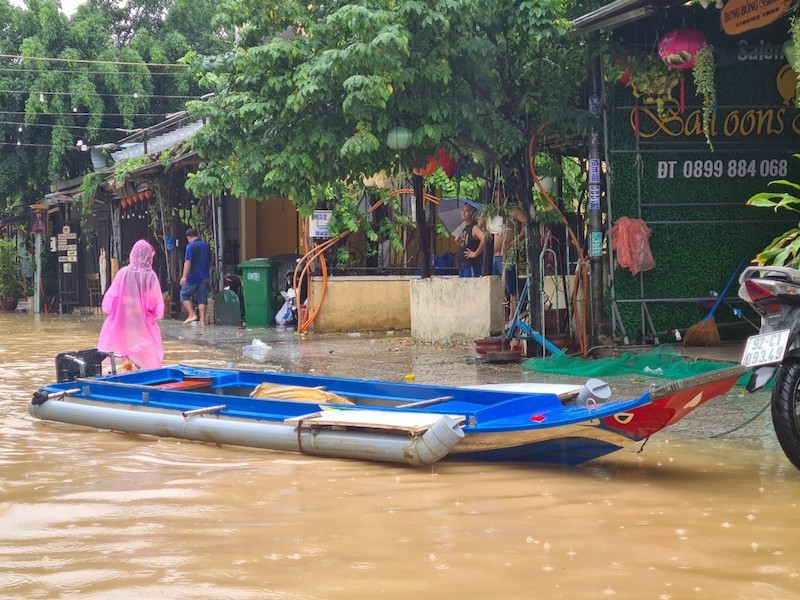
[{"x": 705, "y": 332}]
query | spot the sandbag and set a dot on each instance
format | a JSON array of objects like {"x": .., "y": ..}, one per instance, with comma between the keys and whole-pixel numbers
[{"x": 297, "y": 393}]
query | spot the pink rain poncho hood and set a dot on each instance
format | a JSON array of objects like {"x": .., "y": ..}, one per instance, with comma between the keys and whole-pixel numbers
[{"x": 133, "y": 303}]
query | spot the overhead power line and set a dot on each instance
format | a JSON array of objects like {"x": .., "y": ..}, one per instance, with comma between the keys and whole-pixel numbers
[
  {"x": 69, "y": 71},
  {"x": 21, "y": 145},
  {"x": 20, "y": 125},
  {"x": 92, "y": 62},
  {"x": 85, "y": 114},
  {"x": 132, "y": 94}
]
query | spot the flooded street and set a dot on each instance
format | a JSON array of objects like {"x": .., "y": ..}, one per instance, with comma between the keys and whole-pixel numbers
[{"x": 94, "y": 514}]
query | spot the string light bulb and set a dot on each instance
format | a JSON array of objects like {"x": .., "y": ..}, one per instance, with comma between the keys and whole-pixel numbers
[
  {"x": 41, "y": 97},
  {"x": 720, "y": 4},
  {"x": 19, "y": 128},
  {"x": 135, "y": 95}
]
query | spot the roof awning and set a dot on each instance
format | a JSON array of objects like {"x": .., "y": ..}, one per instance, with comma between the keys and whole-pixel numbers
[
  {"x": 619, "y": 13},
  {"x": 158, "y": 143},
  {"x": 23, "y": 218}
]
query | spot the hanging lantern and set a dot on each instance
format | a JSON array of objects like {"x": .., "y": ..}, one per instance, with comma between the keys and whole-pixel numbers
[
  {"x": 448, "y": 163},
  {"x": 679, "y": 47},
  {"x": 429, "y": 167},
  {"x": 398, "y": 138},
  {"x": 623, "y": 64}
]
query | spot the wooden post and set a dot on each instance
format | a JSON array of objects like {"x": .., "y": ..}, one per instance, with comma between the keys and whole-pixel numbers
[
  {"x": 40, "y": 212},
  {"x": 422, "y": 230}
]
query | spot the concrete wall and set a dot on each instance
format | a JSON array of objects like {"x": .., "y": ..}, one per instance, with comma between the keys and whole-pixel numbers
[
  {"x": 439, "y": 309},
  {"x": 462, "y": 309},
  {"x": 361, "y": 304}
]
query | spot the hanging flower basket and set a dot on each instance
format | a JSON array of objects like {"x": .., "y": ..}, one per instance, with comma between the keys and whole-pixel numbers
[
  {"x": 678, "y": 49},
  {"x": 652, "y": 82}
]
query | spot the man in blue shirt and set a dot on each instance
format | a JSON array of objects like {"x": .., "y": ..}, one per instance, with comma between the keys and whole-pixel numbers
[{"x": 195, "y": 278}]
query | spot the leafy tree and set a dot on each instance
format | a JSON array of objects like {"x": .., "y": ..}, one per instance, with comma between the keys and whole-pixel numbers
[
  {"x": 48, "y": 105},
  {"x": 309, "y": 92}
]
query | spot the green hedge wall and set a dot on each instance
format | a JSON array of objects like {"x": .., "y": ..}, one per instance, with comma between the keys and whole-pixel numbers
[{"x": 693, "y": 198}]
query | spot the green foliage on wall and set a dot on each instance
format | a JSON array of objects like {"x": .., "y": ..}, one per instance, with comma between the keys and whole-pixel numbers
[{"x": 693, "y": 198}]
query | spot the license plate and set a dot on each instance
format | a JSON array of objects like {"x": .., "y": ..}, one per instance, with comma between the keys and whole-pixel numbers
[{"x": 765, "y": 348}]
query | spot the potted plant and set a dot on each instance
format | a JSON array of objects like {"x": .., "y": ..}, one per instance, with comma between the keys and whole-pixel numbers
[
  {"x": 11, "y": 288},
  {"x": 547, "y": 169},
  {"x": 496, "y": 216},
  {"x": 703, "y": 73}
]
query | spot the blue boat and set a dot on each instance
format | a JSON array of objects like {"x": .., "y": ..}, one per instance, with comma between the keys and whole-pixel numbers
[{"x": 362, "y": 419}]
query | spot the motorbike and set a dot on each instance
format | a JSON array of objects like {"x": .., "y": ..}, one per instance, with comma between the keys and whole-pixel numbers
[
  {"x": 234, "y": 283},
  {"x": 774, "y": 292}
]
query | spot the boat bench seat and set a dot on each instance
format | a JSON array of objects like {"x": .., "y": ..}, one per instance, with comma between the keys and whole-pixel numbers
[
  {"x": 411, "y": 422},
  {"x": 533, "y": 405},
  {"x": 458, "y": 407}
]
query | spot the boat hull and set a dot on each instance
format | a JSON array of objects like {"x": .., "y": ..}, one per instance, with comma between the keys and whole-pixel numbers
[
  {"x": 428, "y": 448},
  {"x": 376, "y": 421}
]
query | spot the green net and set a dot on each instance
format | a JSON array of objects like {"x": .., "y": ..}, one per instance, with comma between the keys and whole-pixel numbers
[{"x": 661, "y": 361}]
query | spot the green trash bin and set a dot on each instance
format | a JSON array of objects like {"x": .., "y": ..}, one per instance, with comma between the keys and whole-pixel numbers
[{"x": 258, "y": 283}]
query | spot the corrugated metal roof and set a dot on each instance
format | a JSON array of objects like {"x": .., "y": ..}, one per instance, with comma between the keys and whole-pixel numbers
[
  {"x": 159, "y": 143},
  {"x": 621, "y": 12}
]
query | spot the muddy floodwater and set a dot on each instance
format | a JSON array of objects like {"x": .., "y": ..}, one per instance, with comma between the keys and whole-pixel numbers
[{"x": 101, "y": 515}]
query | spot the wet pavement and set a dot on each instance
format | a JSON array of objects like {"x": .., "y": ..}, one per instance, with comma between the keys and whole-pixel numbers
[
  {"x": 394, "y": 356},
  {"x": 392, "y": 349},
  {"x": 235, "y": 338}
]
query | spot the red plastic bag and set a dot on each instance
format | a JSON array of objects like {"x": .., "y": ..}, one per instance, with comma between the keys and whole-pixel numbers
[{"x": 630, "y": 241}]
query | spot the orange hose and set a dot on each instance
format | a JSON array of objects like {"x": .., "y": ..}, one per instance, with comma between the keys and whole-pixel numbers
[
  {"x": 316, "y": 252},
  {"x": 319, "y": 252}
]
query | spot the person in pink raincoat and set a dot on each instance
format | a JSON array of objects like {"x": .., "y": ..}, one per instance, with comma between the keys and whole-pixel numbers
[{"x": 133, "y": 304}]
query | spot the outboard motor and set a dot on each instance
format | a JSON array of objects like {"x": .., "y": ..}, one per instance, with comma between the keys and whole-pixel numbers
[{"x": 82, "y": 363}]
